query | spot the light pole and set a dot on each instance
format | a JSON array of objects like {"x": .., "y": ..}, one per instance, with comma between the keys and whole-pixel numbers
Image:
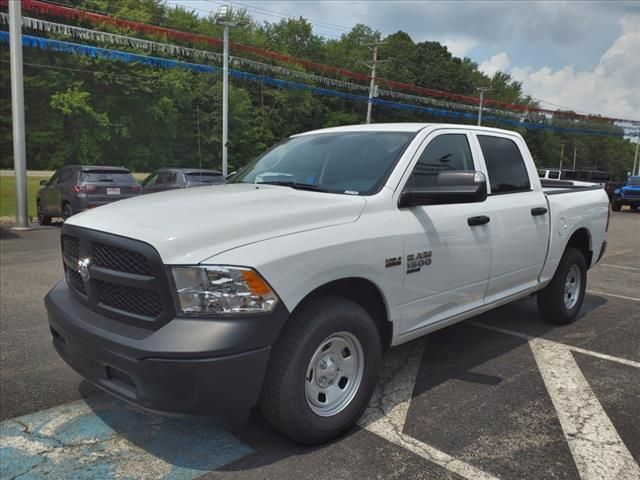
[
  {"x": 224, "y": 18},
  {"x": 635, "y": 158},
  {"x": 561, "y": 158},
  {"x": 17, "y": 115},
  {"x": 482, "y": 90}
]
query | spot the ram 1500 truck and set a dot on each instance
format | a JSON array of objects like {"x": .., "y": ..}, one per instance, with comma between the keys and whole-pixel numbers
[{"x": 284, "y": 287}]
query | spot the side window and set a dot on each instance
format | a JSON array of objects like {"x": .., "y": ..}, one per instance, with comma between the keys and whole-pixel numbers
[
  {"x": 165, "y": 177},
  {"x": 555, "y": 175},
  {"x": 505, "y": 165},
  {"x": 53, "y": 180},
  {"x": 150, "y": 181},
  {"x": 445, "y": 152}
]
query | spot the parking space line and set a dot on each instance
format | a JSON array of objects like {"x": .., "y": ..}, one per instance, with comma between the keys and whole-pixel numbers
[
  {"x": 623, "y": 267},
  {"x": 603, "y": 356},
  {"x": 598, "y": 450},
  {"x": 623, "y": 297},
  {"x": 387, "y": 412}
]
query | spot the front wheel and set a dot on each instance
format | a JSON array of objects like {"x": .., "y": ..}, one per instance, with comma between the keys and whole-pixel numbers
[
  {"x": 67, "y": 211},
  {"x": 560, "y": 301},
  {"x": 323, "y": 371}
]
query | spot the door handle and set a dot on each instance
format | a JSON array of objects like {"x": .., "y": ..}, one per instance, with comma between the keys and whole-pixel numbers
[
  {"x": 538, "y": 211},
  {"x": 479, "y": 220}
]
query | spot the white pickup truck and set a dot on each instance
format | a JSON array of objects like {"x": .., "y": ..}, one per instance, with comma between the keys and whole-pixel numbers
[{"x": 284, "y": 287}]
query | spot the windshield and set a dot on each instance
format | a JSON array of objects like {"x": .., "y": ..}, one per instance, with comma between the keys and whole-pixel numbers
[
  {"x": 117, "y": 176},
  {"x": 354, "y": 163},
  {"x": 635, "y": 181},
  {"x": 204, "y": 177}
]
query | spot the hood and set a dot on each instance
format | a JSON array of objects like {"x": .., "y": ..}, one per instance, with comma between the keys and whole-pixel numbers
[
  {"x": 190, "y": 225},
  {"x": 631, "y": 188}
]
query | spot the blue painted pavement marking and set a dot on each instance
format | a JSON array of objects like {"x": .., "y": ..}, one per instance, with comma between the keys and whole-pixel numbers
[{"x": 101, "y": 437}]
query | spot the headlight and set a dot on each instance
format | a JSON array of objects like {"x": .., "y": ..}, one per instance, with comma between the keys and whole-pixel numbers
[{"x": 221, "y": 290}]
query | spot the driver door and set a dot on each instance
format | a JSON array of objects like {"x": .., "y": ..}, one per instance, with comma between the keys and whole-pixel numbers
[{"x": 447, "y": 258}]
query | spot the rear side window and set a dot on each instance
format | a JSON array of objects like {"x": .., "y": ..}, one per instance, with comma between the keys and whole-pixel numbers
[
  {"x": 106, "y": 176},
  {"x": 505, "y": 165},
  {"x": 65, "y": 175},
  {"x": 444, "y": 153},
  {"x": 166, "y": 177}
]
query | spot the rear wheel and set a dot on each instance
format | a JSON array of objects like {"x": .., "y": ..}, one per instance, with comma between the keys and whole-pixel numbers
[
  {"x": 616, "y": 205},
  {"x": 323, "y": 371},
  {"x": 560, "y": 301},
  {"x": 42, "y": 218},
  {"x": 67, "y": 211}
]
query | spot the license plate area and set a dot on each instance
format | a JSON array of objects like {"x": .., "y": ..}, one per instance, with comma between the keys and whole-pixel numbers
[{"x": 113, "y": 191}]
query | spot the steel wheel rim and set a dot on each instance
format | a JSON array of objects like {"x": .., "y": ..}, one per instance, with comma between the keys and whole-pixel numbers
[
  {"x": 572, "y": 285},
  {"x": 334, "y": 374}
]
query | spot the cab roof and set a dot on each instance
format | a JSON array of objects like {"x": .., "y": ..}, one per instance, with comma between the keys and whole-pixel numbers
[{"x": 402, "y": 127}]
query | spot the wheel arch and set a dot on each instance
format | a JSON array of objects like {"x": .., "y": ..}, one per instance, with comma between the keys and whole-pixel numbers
[
  {"x": 363, "y": 292},
  {"x": 581, "y": 240}
]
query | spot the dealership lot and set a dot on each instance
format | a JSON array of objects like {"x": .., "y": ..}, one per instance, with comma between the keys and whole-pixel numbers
[{"x": 503, "y": 395}]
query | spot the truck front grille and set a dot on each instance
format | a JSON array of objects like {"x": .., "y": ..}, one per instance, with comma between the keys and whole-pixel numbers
[
  {"x": 128, "y": 299},
  {"x": 120, "y": 259},
  {"x": 127, "y": 280}
]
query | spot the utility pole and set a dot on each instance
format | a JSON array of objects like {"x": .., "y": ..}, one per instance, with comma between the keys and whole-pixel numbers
[
  {"x": 199, "y": 150},
  {"x": 575, "y": 151},
  {"x": 561, "y": 158},
  {"x": 373, "y": 64},
  {"x": 635, "y": 158},
  {"x": 17, "y": 115},
  {"x": 224, "y": 18},
  {"x": 482, "y": 90}
]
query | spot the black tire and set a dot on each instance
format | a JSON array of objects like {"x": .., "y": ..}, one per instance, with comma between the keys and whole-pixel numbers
[
  {"x": 616, "y": 205},
  {"x": 284, "y": 399},
  {"x": 67, "y": 211},
  {"x": 551, "y": 300},
  {"x": 42, "y": 218}
]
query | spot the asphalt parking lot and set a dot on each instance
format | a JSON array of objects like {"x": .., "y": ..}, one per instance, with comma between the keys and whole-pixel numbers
[{"x": 503, "y": 395}]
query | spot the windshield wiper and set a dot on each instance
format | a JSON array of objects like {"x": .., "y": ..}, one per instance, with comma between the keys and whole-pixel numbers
[{"x": 296, "y": 185}]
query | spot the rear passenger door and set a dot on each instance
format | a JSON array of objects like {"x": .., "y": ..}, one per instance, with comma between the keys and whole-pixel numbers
[{"x": 519, "y": 225}]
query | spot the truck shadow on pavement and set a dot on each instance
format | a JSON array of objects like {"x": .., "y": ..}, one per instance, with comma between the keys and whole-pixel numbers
[{"x": 452, "y": 363}]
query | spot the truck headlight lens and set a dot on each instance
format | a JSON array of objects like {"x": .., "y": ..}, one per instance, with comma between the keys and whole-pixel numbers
[{"x": 222, "y": 290}]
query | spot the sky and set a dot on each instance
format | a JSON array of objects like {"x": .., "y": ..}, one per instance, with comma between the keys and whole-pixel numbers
[{"x": 583, "y": 56}]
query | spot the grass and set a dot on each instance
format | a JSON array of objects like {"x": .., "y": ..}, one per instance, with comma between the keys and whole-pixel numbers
[{"x": 8, "y": 195}]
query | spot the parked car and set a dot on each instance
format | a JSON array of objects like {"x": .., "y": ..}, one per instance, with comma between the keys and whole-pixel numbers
[
  {"x": 628, "y": 194},
  {"x": 174, "y": 178},
  {"x": 75, "y": 188},
  {"x": 285, "y": 287}
]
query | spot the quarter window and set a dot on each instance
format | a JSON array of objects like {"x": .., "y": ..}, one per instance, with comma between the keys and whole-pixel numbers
[
  {"x": 505, "y": 165},
  {"x": 444, "y": 153}
]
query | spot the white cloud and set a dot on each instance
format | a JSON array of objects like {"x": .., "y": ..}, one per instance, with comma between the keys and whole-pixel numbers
[
  {"x": 498, "y": 63},
  {"x": 611, "y": 88},
  {"x": 459, "y": 47}
]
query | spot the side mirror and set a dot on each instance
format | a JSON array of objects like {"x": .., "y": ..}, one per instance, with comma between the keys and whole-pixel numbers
[
  {"x": 44, "y": 182},
  {"x": 450, "y": 187}
]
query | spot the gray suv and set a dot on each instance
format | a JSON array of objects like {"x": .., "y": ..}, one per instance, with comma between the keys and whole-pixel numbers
[
  {"x": 75, "y": 188},
  {"x": 174, "y": 178}
]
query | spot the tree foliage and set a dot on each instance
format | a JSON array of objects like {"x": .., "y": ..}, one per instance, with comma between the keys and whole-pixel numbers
[{"x": 93, "y": 111}]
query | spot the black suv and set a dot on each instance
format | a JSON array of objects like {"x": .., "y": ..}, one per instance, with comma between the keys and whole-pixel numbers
[
  {"x": 75, "y": 188},
  {"x": 174, "y": 178}
]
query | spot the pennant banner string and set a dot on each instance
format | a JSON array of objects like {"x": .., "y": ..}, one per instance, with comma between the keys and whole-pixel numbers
[
  {"x": 96, "y": 52},
  {"x": 98, "y": 18}
]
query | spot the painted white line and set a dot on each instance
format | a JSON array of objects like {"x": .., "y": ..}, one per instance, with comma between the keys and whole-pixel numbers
[
  {"x": 598, "y": 450},
  {"x": 598, "y": 292},
  {"x": 387, "y": 412},
  {"x": 602, "y": 356},
  {"x": 623, "y": 267}
]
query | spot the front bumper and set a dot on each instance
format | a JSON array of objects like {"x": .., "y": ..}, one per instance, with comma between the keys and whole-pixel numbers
[{"x": 188, "y": 366}]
